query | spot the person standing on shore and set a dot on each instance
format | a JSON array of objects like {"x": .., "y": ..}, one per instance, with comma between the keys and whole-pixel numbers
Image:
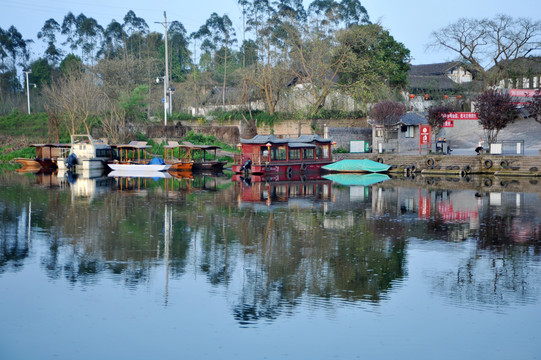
[{"x": 479, "y": 147}]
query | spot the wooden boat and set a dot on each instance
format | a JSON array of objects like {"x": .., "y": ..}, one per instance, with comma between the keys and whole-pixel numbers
[
  {"x": 86, "y": 153},
  {"x": 46, "y": 157},
  {"x": 356, "y": 166},
  {"x": 266, "y": 154},
  {"x": 178, "y": 156},
  {"x": 205, "y": 157},
  {"x": 134, "y": 157}
]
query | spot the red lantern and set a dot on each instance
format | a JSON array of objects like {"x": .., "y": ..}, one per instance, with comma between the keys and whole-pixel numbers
[
  {"x": 426, "y": 96},
  {"x": 445, "y": 97},
  {"x": 459, "y": 96},
  {"x": 412, "y": 96}
]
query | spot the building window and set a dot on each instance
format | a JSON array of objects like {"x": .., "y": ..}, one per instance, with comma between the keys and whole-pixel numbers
[
  {"x": 379, "y": 132},
  {"x": 410, "y": 131}
]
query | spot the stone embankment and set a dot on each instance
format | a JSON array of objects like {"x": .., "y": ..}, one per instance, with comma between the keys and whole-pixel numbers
[{"x": 462, "y": 165}]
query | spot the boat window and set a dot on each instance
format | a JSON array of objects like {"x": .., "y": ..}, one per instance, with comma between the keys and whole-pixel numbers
[
  {"x": 294, "y": 154},
  {"x": 278, "y": 153},
  {"x": 264, "y": 151},
  {"x": 308, "y": 154},
  {"x": 322, "y": 152}
]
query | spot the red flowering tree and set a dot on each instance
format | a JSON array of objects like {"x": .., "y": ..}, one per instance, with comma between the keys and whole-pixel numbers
[
  {"x": 496, "y": 110},
  {"x": 436, "y": 117},
  {"x": 533, "y": 107}
]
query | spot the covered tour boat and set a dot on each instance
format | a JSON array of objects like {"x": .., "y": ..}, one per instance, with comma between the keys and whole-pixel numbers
[
  {"x": 178, "y": 156},
  {"x": 267, "y": 154},
  {"x": 46, "y": 156},
  {"x": 134, "y": 157}
]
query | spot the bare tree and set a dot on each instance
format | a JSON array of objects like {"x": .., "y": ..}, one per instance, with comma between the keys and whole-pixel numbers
[
  {"x": 77, "y": 100},
  {"x": 496, "y": 110},
  {"x": 387, "y": 114},
  {"x": 490, "y": 42}
]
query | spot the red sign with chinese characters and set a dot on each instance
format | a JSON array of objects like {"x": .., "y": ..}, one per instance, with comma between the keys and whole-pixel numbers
[
  {"x": 461, "y": 116},
  {"x": 449, "y": 123},
  {"x": 424, "y": 136}
]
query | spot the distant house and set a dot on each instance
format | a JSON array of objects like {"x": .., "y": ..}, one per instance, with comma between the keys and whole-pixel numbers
[
  {"x": 522, "y": 73},
  {"x": 404, "y": 136},
  {"x": 442, "y": 77}
]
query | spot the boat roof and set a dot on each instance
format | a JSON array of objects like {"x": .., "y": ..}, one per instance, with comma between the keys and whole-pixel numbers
[
  {"x": 134, "y": 145},
  {"x": 51, "y": 145},
  {"x": 300, "y": 145},
  {"x": 304, "y": 139}
]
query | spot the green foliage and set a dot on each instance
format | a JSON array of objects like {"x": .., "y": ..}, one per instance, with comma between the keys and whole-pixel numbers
[
  {"x": 338, "y": 114},
  {"x": 71, "y": 63},
  {"x": 134, "y": 104},
  {"x": 26, "y": 152},
  {"x": 340, "y": 150},
  {"x": 19, "y": 124},
  {"x": 181, "y": 116},
  {"x": 200, "y": 139}
]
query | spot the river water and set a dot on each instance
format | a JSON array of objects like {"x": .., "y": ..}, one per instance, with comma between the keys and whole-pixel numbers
[{"x": 205, "y": 267}]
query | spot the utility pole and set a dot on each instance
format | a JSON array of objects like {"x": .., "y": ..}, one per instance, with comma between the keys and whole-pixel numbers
[{"x": 166, "y": 92}]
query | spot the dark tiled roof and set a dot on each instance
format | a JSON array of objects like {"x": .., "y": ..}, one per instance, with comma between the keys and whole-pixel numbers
[
  {"x": 433, "y": 69},
  {"x": 529, "y": 65},
  {"x": 441, "y": 82},
  {"x": 263, "y": 139},
  {"x": 413, "y": 119}
]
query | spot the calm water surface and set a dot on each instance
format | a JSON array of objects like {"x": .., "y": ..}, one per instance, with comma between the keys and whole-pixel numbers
[{"x": 202, "y": 267}]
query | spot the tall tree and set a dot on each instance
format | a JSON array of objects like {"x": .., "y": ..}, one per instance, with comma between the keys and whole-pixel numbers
[
  {"x": 13, "y": 53},
  {"x": 135, "y": 28},
  {"x": 113, "y": 42},
  {"x": 218, "y": 33},
  {"x": 490, "y": 42},
  {"x": 496, "y": 110},
  {"x": 48, "y": 34},
  {"x": 178, "y": 48}
]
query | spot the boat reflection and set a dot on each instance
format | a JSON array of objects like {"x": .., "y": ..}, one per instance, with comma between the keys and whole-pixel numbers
[
  {"x": 357, "y": 179},
  {"x": 302, "y": 191},
  {"x": 87, "y": 184}
]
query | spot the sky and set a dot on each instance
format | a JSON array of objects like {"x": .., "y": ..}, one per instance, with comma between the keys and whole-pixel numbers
[{"x": 409, "y": 22}]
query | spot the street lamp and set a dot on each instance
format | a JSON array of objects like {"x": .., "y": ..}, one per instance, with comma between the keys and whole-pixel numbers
[{"x": 28, "y": 88}]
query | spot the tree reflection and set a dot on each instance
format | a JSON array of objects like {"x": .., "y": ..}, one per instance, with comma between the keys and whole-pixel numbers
[{"x": 352, "y": 249}]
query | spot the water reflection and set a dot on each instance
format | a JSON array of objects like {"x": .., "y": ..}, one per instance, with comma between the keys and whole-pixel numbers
[{"x": 314, "y": 240}]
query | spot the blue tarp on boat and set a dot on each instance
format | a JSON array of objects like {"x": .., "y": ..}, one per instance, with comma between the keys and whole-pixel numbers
[
  {"x": 357, "y": 179},
  {"x": 157, "y": 161},
  {"x": 355, "y": 165}
]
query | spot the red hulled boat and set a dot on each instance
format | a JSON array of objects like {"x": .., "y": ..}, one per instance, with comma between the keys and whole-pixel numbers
[{"x": 267, "y": 154}]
